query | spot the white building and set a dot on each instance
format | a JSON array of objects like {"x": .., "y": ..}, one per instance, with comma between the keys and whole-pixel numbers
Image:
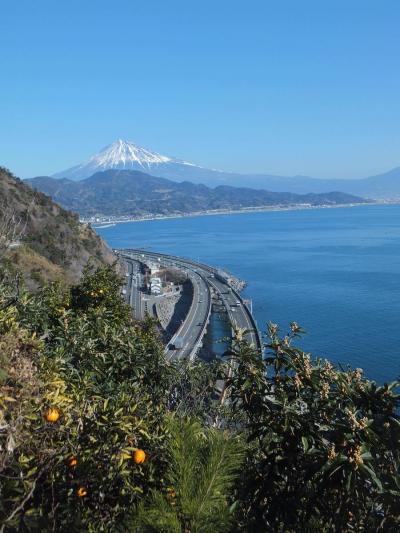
[
  {"x": 155, "y": 286},
  {"x": 153, "y": 267}
]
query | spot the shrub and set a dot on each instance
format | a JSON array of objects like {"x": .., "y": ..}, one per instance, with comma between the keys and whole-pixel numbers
[
  {"x": 80, "y": 353},
  {"x": 323, "y": 443}
]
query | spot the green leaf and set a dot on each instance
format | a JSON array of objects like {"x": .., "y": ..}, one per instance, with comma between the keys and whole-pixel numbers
[
  {"x": 366, "y": 469},
  {"x": 305, "y": 444}
]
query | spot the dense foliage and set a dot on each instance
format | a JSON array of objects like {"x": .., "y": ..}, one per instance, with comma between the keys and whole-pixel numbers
[
  {"x": 99, "y": 432},
  {"x": 77, "y": 352},
  {"x": 323, "y": 443}
]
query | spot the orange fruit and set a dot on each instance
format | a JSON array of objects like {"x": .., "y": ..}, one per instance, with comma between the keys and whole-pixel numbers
[
  {"x": 81, "y": 491},
  {"x": 72, "y": 461},
  {"x": 52, "y": 414},
  {"x": 171, "y": 494},
  {"x": 139, "y": 456}
]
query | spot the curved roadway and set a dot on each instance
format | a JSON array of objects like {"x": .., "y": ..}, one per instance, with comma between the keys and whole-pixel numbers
[
  {"x": 191, "y": 332},
  {"x": 203, "y": 278}
]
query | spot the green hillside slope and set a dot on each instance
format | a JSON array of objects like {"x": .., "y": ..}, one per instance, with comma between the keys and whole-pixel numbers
[{"x": 44, "y": 240}]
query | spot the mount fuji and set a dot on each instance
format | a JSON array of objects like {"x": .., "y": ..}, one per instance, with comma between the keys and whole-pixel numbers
[{"x": 125, "y": 155}]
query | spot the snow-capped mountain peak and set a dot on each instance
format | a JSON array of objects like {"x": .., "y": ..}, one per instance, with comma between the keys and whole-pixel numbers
[{"x": 124, "y": 153}]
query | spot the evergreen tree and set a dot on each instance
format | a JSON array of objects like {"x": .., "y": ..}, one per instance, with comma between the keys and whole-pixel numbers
[{"x": 203, "y": 466}]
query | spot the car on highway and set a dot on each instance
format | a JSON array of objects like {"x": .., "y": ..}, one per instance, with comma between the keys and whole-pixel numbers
[{"x": 177, "y": 344}]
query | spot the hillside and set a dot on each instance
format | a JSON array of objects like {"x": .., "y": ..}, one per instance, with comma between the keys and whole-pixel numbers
[
  {"x": 49, "y": 242},
  {"x": 134, "y": 193}
]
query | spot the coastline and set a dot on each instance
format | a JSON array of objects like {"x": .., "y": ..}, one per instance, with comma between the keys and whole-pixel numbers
[{"x": 109, "y": 222}]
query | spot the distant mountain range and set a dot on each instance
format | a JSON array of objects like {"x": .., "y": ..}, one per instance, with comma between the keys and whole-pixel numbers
[
  {"x": 124, "y": 155},
  {"x": 135, "y": 193}
]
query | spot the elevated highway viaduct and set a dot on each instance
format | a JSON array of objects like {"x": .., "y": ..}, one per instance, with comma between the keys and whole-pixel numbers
[{"x": 205, "y": 280}]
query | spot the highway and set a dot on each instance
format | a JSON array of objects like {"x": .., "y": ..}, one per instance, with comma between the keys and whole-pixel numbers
[
  {"x": 205, "y": 280},
  {"x": 133, "y": 287},
  {"x": 239, "y": 314},
  {"x": 195, "y": 324}
]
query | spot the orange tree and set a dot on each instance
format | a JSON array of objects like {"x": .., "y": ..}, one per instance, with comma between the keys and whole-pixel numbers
[
  {"x": 324, "y": 444},
  {"x": 82, "y": 387}
]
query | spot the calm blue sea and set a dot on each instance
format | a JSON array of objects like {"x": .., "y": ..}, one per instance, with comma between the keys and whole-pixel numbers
[{"x": 334, "y": 271}]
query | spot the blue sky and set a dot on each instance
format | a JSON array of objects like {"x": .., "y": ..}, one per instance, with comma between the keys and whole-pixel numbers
[{"x": 285, "y": 87}]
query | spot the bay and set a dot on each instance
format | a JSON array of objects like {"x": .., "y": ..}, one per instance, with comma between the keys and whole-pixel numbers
[{"x": 334, "y": 271}]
